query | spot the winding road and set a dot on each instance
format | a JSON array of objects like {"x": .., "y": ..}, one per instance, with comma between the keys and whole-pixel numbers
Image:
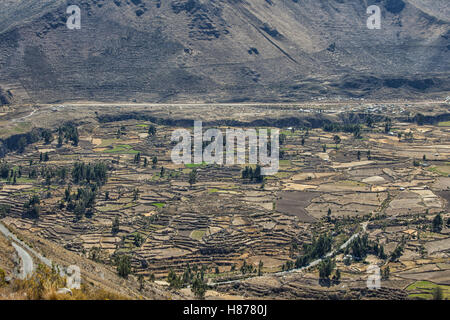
[
  {"x": 27, "y": 262},
  {"x": 23, "y": 250}
]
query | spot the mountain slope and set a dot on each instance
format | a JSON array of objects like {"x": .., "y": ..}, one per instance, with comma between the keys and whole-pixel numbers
[{"x": 231, "y": 50}]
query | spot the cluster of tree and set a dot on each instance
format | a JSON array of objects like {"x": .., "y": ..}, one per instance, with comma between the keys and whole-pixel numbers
[
  {"x": 138, "y": 240},
  {"x": 32, "y": 207},
  {"x": 247, "y": 268},
  {"x": 20, "y": 141},
  {"x": 337, "y": 127},
  {"x": 408, "y": 136},
  {"x": 47, "y": 136},
  {"x": 193, "y": 277},
  {"x": 385, "y": 273},
  {"x": 123, "y": 265},
  {"x": 68, "y": 132},
  {"x": 90, "y": 173},
  {"x": 9, "y": 173},
  {"x": 4, "y": 210},
  {"x": 82, "y": 203},
  {"x": 137, "y": 158},
  {"x": 253, "y": 175},
  {"x": 318, "y": 248},
  {"x": 361, "y": 246},
  {"x": 326, "y": 267},
  {"x": 5, "y": 169},
  {"x": 44, "y": 157}
]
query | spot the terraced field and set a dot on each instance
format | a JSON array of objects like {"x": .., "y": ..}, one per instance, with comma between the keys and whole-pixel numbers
[{"x": 149, "y": 211}]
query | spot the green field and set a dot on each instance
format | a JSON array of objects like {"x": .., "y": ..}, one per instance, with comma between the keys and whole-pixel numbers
[
  {"x": 158, "y": 204},
  {"x": 444, "y": 124},
  {"x": 424, "y": 289},
  {"x": 195, "y": 165},
  {"x": 122, "y": 148},
  {"x": 198, "y": 234}
]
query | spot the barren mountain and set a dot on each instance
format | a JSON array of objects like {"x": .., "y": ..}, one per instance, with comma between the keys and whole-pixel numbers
[{"x": 228, "y": 50}]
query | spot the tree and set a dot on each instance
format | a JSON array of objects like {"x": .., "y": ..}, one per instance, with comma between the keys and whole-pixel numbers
[
  {"x": 115, "y": 225},
  {"x": 437, "y": 223},
  {"x": 138, "y": 240},
  {"x": 145, "y": 162},
  {"x": 260, "y": 266},
  {"x": 336, "y": 140},
  {"x": 303, "y": 141},
  {"x": 154, "y": 160},
  {"x": 151, "y": 130},
  {"x": 199, "y": 287},
  {"x": 385, "y": 273},
  {"x": 326, "y": 267},
  {"x": 438, "y": 293},
  {"x": 282, "y": 138},
  {"x": 123, "y": 264},
  {"x": 137, "y": 158},
  {"x": 32, "y": 207},
  {"x": 135, "y": 194},
  {"x": 337, "y": 276},
  {"x": 60, "y": 140},
  {"x": 141, "y": 282},
  {"x": 396, "y": 253},
  {"x": 387, "y": 126},
  {"x": 359, "y": 155},
  {"x": 193, "y": 177},
  {"x": 47, "y": 136},
  {"x": 161, "y": 174},
  {"x": 174, "y": 280}
]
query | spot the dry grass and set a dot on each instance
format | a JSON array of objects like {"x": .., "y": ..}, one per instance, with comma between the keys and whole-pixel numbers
[{"x": 45, "y": 282}]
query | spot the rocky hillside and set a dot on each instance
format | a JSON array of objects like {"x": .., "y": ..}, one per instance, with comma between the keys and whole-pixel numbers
[{"x": 227, "y": 50}]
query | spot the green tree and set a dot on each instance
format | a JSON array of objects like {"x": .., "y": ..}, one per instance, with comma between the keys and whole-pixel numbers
[
  {"x": 174, "y": 280},
  {"x": 151, "y": 130},
  {"x": 336, "y": 140},
  {"x": 123, "y": 263},
  {"x": 260, "y": 266},
  {"x": 199, "y": 287},
  {"x": 21, "y": 144},
  {"x": 438, "y": 293},
  {"x": 326, "y": 267},
  {"x": 193, "y": 177},
  {"x": 385, "y": 273},
  {"x": 437, "y": 223},
  {"x": 115, "y": 225},
  {"x": 32, "y": 207}
]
